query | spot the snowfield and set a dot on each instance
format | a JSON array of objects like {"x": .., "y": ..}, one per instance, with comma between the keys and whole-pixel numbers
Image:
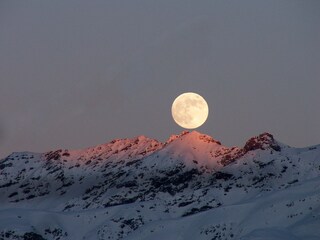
[{"x": 190, "y": 187}]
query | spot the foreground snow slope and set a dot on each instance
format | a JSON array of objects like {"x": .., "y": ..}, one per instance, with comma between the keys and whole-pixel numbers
[{"x": 190, "y": 187}]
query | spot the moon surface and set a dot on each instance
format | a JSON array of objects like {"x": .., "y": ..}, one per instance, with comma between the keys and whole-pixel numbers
[{"x": 190, "y": 110}]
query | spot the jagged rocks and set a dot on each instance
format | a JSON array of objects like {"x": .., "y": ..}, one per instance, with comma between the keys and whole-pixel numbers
[
  {"x": 222, "y": 175},
  {"x": 139, "y": 186},
  {"x": 263, "y": 141}
]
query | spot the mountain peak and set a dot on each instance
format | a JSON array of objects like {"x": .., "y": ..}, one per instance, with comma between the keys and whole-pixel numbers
[
  {"x": 127, "y": 188},
  {"x": 262, "y": 141},
  {"x": 173, "y": 137},
  {"x": 194, "y": 149},
  {"x": 192, "y": 136},
  {"x": 126, "y": 148}
]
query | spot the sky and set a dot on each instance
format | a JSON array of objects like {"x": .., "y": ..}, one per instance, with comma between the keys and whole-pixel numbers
[{"x": 77, "y": 73}]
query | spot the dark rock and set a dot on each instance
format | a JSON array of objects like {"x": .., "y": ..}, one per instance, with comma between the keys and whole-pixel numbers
[
  {"x": 32, "y": 236},
  {"x": 197, "y": 210},
  {"x": 263, "y": 141},
  {"x": 223, "y": 175}
]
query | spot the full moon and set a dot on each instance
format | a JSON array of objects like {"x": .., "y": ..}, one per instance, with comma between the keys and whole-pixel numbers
[{"x": 190, "y": 110}]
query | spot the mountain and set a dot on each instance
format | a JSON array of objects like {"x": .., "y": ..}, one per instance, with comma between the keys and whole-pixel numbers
[{"x": 189, "y": 187}]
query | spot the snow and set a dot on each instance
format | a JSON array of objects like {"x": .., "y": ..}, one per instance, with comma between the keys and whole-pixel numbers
[{"x": 190, "y": 187}]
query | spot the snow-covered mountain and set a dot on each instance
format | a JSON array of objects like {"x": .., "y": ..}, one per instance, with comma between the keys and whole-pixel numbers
[{"x": 190, "y": 187}]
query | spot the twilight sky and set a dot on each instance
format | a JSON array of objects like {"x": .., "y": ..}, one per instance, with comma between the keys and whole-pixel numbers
[{"x": 78, "y": 73}]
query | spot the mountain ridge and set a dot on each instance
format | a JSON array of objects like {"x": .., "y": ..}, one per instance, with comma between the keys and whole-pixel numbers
[
  {"x": 134, "y": 188},
  {"x": 261, "y": 141}
]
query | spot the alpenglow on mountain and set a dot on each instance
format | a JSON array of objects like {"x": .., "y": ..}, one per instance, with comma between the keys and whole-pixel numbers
[{"x": 190, "y": 187}]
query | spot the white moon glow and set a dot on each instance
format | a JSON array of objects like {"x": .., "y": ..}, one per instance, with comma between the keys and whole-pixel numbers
[{"x": 190, "y": 110}]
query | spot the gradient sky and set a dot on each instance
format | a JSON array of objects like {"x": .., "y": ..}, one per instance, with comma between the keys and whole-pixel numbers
[{"x": 79, "y": 73}]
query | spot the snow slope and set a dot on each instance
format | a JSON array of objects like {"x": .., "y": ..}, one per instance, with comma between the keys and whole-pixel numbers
[{"x": 190, "y": 187}]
